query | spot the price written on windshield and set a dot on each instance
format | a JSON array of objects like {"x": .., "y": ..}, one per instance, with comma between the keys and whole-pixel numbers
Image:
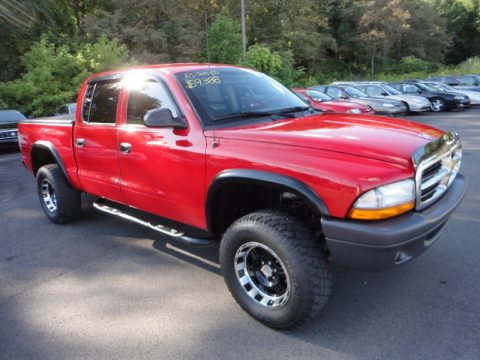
[{"x": 210, "y": 80}]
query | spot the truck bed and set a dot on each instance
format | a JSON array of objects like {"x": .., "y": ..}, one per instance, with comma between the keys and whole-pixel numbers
[{"x": 56, "y": 132}]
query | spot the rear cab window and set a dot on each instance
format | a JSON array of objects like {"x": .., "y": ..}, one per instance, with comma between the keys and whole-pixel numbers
[{"x": 101, "y": 101}]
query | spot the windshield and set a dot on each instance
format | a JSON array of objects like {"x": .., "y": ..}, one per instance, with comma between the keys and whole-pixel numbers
[
  {"x": 425, "y": 87},
  {"x": 354, "y": 92},
  {"x": 10, "y": 116},
  {"x": 391, "y": 90},
  {"x": 219, "y": 94},
  {"x": 318, "y": 96},
  {"x": 440, "y": 86}
]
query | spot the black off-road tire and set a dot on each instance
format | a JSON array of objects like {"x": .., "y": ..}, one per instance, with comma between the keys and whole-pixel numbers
[
  {"x": 294, "y": 244},
  {"x": 63, "y": 203}
]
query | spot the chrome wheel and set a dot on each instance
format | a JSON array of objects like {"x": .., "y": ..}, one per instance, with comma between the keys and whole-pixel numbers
[
  {"x": 48, "y": 195},
  {"x": 262, "y": 275},
  {"x": 437, "y": 105}
]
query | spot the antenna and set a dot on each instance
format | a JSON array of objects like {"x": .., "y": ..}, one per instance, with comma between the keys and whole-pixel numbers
[{"x": 214, "y": 140}]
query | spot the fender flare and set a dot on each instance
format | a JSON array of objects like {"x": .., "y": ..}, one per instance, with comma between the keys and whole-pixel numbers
[
  {"x": 263, "y": 178},
  {"x": 47, "y": 145}
]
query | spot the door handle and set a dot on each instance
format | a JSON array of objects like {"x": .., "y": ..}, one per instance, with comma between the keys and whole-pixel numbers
[
  {"x": 125, "y": 148},
  {"x": 80, "y": 142}
]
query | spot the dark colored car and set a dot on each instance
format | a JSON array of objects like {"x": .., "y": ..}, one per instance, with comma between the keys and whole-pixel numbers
[
  {"x": 9, "y": 120},
  {"x": 349, "y": 92},
  {"x": 440, "y": 100},
  {"x": 464, "y": 82}
]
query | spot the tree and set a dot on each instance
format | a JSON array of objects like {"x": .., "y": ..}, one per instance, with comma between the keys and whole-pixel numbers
[
  {"x": 53, "y": 74},
  {"x": 224, "y": 43}
]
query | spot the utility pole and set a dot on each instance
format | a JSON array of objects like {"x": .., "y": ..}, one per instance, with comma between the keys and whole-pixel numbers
[{"x": 244, "y": 35}]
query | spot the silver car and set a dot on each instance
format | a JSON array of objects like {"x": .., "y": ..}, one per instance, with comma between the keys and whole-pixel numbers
[
  {"x": 473, "y": 95},
  {"x": 415, "y": 103}
]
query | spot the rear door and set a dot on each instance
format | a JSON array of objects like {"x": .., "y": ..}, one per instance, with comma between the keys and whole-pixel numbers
[{"x": 95, "y": 140}]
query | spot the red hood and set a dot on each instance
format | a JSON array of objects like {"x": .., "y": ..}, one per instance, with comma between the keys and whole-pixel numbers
[{"x": 375, "y": 137}]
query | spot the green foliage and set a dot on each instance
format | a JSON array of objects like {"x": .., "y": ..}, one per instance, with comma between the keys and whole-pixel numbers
[
  {"x": 224, "y": 40},
  {"x": 470, "y": 66},
  {"x": 53, "y": 74},
  {"x": 280, "y": 66}
]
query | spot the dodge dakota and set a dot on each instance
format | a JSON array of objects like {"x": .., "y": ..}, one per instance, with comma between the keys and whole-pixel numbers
[{"x": 205, "y": 153}]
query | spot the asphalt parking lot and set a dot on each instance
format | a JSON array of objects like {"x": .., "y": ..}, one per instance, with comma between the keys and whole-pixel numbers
[{"x": 105, "y": 288}]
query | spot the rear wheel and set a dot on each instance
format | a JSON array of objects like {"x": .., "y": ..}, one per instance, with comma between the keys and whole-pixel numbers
[
  {"x": 60, "y": 202},
  {"x": 275, "y": 269},
  {"x": 438, "y": 104}
]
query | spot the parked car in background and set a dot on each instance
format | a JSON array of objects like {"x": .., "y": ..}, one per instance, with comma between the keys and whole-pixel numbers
[
  {"x": 464, "y": 82},
  {"x": 9, "y": 120},
  {"x": 321, "y": 101},
  {"x": 67, "y": 109},
  {"x": 474, "y": 96},
  {"x": 439, "y": 100},
  {"x": 414, "y": 103},
  {"x": 349, "y": 92}
]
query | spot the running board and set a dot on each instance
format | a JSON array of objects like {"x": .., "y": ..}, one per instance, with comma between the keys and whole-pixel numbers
[{"x": 175, "y": 234}]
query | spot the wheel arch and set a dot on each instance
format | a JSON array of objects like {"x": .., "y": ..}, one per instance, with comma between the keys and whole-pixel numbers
[
  {"x": 236, "y": 179},
  {"x": 44, "y": 153}
]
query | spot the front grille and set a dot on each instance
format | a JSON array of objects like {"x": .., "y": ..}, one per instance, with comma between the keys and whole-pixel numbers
[
  {"x": 437, "y": 168},
  {"x": 8, "y": 134}
]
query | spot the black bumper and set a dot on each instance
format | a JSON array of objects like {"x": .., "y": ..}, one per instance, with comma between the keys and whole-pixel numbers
[
  {"x": 379, "y": 245},
  {"x": 457, "y": 104}
]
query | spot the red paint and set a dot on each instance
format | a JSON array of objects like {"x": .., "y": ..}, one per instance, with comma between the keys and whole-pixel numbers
[
  {"x": 168, "y": 172},
  {"x": 337, "y": 106}
]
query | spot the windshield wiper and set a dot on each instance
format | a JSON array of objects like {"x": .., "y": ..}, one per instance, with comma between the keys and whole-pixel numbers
[{"x": 287, "y": 112}]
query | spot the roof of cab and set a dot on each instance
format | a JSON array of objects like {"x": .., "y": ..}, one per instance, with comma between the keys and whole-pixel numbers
[{"x": 167, "y": 68}]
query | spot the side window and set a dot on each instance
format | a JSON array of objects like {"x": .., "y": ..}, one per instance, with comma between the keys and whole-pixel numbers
[
  {"x": 374, "y": 91},
  {"x": 410, "y": 88},
  {"x": 334, "y": 92},
  {"x": 103, "y": 108},
  {"x": 148, "y": 96},
  {"x": 87, "y": 100},
  {"x": 63, "y": 110}
]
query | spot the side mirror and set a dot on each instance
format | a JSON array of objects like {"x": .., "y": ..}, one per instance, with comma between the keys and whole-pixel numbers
[
  {"x": 162, "y": 117},
  {"x": 384, "y": 93},
  {"x": 345, "y": 97}
]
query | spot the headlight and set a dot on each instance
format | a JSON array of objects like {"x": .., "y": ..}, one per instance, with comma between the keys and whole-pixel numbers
[
  {"x": 458, "y": 97},
  {"x": 354, "y": 111},
  {"x": 385, "y": 201},
  {"x": 13, "y": 133},
  {"x": 387, "y": 105}
]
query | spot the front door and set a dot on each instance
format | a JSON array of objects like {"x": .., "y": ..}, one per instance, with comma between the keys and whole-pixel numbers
[
  {"x": 162, "y": 169},
  {"x": 95, "y": 140}
]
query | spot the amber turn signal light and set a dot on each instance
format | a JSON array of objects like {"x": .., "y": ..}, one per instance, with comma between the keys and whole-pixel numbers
[{"x": 379, "y": 214}]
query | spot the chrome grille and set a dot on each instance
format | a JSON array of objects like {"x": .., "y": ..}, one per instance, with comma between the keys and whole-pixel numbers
[{"x": 437, "y": 165}]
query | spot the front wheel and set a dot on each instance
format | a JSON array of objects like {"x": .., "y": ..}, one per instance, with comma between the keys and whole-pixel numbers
[
  {"x": 438, "y": 105},
  {"x": 275, "y": 269}
]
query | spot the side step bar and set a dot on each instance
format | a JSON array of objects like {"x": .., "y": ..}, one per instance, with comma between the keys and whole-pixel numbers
[{"x": 175, "y": 234}]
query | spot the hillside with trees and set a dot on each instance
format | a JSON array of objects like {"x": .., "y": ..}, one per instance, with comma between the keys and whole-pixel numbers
[{"x": 50, "y": 46}]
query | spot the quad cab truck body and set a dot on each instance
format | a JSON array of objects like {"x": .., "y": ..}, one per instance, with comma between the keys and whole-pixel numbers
[{"x": 204, "y": 152}]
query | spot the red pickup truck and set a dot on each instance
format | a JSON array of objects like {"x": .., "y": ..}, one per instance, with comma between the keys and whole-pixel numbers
[{"x": 205, "y": 152}]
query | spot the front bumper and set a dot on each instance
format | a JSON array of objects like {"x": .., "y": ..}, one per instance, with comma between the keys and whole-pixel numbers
[
  {"x": 458, "y": 104},
  {"x": 379, "y": 245},
  {"x": 420, "y": 107},
  {"x": 9, "y": 142},
  {"x": 390, "y": 111}
]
